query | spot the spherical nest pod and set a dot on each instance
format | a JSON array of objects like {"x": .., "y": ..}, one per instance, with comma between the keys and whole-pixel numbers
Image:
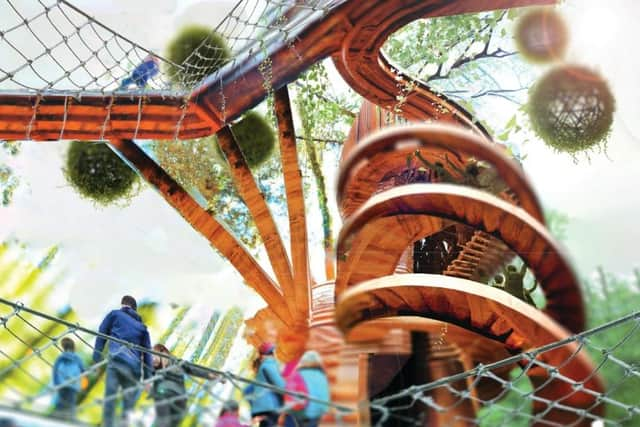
[
  {"x": 256, "y": 138},
  {"x": 542, "y": 36},
  {"x": 571, "y": 109},
  {"x": 199, "y": 51},
  {"x": 97, "y": 173}
]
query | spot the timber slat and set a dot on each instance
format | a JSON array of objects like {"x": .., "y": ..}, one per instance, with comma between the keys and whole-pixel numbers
[
  {"x": 376, "y": 250},
  {"x": 92, "y": 116},
  {"x": 514, "y": 323},
  {"x": 387, "y": 150}
]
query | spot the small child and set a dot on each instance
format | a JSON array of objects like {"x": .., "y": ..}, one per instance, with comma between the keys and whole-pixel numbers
[{"x": 67, "y": 372}]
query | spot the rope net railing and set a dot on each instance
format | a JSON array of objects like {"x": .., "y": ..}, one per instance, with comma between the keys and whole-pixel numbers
[
  {"x": 51, "y": 46},
  {"x": 33, "y": 382},
  {"x": 515, "y": 391}
]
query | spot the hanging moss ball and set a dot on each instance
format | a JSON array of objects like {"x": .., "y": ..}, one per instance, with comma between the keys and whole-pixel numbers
[
  {"x": 200, "y": 51},
  {"x": 97, "y": 173},
  {"x": 571, "y": 109},
  {"x": 194, "y": 164},
  {"x": 542, "y": 36},
  {"x": 256, "y": 138}
]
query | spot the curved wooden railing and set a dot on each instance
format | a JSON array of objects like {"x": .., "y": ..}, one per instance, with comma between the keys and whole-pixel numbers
[
  {"x": 512, "y": 225},
  {"x": 387, "y": 150},
  {"x": 488, "y": 312}
]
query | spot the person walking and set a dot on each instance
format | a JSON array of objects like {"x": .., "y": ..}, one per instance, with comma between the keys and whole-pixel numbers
[
  {"x": 265, "y": 403},
  {"x": 293, "y": 383},
  {"x": 168, "y": 389},
  {"x": 307, "y": 412},
  {"x": 126, "y": 366},
  {"x": 67, "y": 374},
  {"x": 229, "y": 415}
]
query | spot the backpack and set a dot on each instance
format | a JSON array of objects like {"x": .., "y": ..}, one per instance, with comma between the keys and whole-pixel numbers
[
  {"x": 69, "y": 369},
  {"x": 295, "y": 382},
  {"x": 171, "y": 383}
]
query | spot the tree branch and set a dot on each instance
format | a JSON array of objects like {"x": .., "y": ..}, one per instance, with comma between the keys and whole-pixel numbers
[{"x": 325, "y": 98}]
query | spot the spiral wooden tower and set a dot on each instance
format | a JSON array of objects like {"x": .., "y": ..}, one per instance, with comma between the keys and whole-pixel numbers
[{"x": 379, "y": 289}]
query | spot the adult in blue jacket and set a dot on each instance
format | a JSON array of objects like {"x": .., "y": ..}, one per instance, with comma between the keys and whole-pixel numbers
[
  {"x": 126, "y": 366},
  {"x": 266, "y": 403}
]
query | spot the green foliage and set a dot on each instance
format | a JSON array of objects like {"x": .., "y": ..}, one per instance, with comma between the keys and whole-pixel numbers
[
  {"x": 256, "y": 138},
  {"x": 608, "y": 298},
  {"x": 97, "y": 173},
  {"x": 195, "y": 164},
  {"x": 11, "y": 147},
  {"x": 541, "y": 35},
  {"x": 199, "y": 52},
  {"x": 331, "y": 115},
  {"x": 511, "y": 409},
  {"x": 557, "y": 223},
  {"x": 422, "y": 46},
  {"x": 9, "y": 181},
  {"x": 8, "y": 184},
  {"x": 571, "y": 109}
]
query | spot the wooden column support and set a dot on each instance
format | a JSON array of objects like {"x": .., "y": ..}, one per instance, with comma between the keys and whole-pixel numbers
[
  {"x": 295, "y": 204},
  {"x": 257, "y": 205},
  {"x": 212, "y": 230}
]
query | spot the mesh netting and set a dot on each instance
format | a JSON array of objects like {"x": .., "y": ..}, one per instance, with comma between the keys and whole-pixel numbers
[
  {"x": 52, "y": 46},
  {"x": 32, "y": 343},
  {"x": 516, "y": 391}
]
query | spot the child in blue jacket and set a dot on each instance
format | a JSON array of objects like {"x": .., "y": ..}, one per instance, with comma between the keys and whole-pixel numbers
[
  {"x": 67, "y": 372},
  {"x": 266, "y": 403}
]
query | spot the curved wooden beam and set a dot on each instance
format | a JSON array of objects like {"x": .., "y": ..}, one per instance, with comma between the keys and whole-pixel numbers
[
  {"x": 353, "y": 31},
  {"x": 377, "y": 248},
  {"x": 515, "y": 227},
  {"x": 215, "y": 232},
  {"x": 96, "y": 116},
  {"x": 298, "y": 242},
  {"x": 364, "y": 67},
  {"x": 387, "y": 149},
  {"x": 477, "y": 347},
  {"x": 486, "y": 311},
  {"x": 257, "y": 205}
]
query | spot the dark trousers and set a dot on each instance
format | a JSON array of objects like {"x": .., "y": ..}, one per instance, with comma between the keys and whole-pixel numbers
[
  {"x": 66, "y": 403},
  {"x": 269, "y": 419},
  {"x": 291, "y": 421},
  {"x": 170, "y": 411},
  {"x": 119, "y": 375}
]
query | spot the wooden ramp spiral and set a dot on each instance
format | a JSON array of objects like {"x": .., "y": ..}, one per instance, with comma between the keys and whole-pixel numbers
[{"x": 382, "y": 222}]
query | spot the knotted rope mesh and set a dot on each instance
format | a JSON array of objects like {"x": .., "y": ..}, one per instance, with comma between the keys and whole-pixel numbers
[
  {"x": 52, "y": 46},
  {"x": 32, "y": 342},
  {"x": 612, "y": 347}
]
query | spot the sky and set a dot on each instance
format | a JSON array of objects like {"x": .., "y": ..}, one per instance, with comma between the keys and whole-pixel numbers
[
  {"x": 600, "y": 196},
  {"x": 147, "y": 249}
]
